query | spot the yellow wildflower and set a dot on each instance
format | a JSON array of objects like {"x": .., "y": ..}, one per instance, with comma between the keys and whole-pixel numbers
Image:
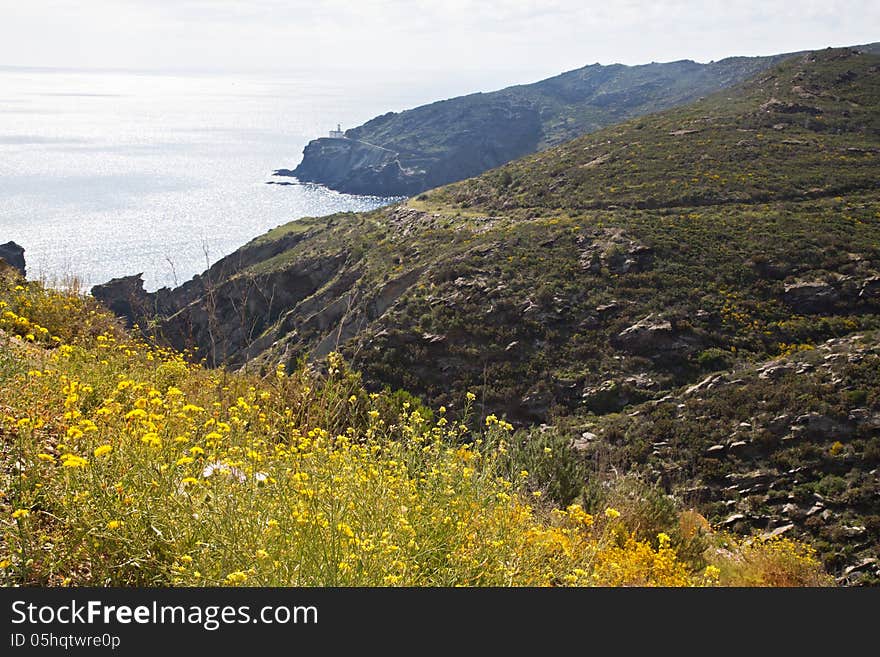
[{"x": 235, "y": 578}]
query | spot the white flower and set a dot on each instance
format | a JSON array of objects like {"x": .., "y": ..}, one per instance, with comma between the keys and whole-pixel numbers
[{"x": 221, "y": 468}]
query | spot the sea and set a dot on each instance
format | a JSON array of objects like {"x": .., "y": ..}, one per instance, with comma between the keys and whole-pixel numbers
[{"x": 107, "y": 173}]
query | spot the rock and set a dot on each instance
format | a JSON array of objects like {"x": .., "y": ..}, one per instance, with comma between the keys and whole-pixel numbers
[
  {"x": 781, "y": 107},
  {"x": 752, "y": 478},
  {"x": 584, "y": 441},
  {"x": 774, "y": 370},
  {"x": 779, "y": 531},
  {"x": 602, "y": 159},
  {"x": 853, "y": 531},
  {"x": 13, "y": 255},
  {"x": 612, "y": 395},
  {"x": 816, "y": 426},
  {"x": 870, "y": 290},
  {"x": 536, "y": 403},
  {"x": 648, "y": 336},
  {"x": 125, "y": 296},
  {"x": 735, "y": 517},
  {"x": 715, "y": 450},
  {"x": 865, "y": 564},
  {"x": 811, "y": 296},
  {"x": 355, "y": 167},
  {"x": 705, "y": 383}
]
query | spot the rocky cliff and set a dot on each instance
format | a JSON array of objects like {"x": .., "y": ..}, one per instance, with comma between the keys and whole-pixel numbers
[{"x": 355, "y": 167}]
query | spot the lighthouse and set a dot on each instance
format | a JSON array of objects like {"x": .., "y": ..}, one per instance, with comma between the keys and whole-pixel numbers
[{"x": 337, "y": 134}]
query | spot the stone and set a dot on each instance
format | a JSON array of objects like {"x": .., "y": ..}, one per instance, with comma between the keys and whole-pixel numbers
[
  {"x": 865, "y": 564},
  {"x": 816, "y": 426},
  {"x": 779, "y": 531},
  {"x": 853, "y": 531},
  {"x": 811, "y": 296},
  {"x": 870, "y": 290},
  {"x": 648, "y": 335},
  {"x": 584, "y": 441},
  {"x": 774, "y": 371},
  {"x": 782, "y": 107},
  {"x": 702, "y": 384}
]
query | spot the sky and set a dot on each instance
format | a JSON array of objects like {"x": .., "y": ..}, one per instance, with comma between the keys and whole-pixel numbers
[{"x": 512, "y": 40}]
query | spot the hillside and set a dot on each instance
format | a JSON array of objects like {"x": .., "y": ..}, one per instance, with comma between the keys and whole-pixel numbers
[
  {"x": 789, "y": 446},
  {"x": 582, "y": 281},
  {"x": 122, "y": 464},
  {"x": 399, "y": 154}
]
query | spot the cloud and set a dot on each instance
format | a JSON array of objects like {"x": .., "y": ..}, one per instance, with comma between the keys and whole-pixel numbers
[{"x": 540, "y": 36}]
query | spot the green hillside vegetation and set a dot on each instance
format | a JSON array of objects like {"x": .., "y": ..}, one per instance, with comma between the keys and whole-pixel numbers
[
  {"x": 123, "y": 464},
  {"x": 797, "y": 131},
  {"x": 595, "y": 277}
]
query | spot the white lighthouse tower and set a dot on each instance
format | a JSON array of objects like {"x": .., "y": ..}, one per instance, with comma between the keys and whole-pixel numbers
[{"x": 337, "y": 134}]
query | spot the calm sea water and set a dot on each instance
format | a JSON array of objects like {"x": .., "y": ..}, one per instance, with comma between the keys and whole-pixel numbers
[{"x": 104, "y": 174}]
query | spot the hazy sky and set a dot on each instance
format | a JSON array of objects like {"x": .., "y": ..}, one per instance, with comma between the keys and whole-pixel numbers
[{"x": 527, "y": 38}]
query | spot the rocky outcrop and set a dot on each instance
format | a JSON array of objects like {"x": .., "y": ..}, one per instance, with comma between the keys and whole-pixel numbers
[
  {"x": 356, "y": 167},
  {"x": 127, "y": 298},
  {"x": 811, "y": 296},
  {"x": 870, "y": 290},
  {"x": 649, "y": 336},
  {"x": 13, "y": 255}
]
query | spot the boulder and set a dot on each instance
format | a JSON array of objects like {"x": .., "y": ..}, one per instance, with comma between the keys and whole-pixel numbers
[
  {"x": 647, "y": 336},
  {"x": 816, "y": 426},
  {"x": 582, "y": 443},
  {"x": 779, "y": 531},
  {"x": 13, "y": 255},
  {"x": 811, "y": 296},
  {"x": 870, "y": 290}
]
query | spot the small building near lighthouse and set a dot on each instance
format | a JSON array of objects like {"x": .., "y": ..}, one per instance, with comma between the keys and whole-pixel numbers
[{"x": 338, "y": 133}]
